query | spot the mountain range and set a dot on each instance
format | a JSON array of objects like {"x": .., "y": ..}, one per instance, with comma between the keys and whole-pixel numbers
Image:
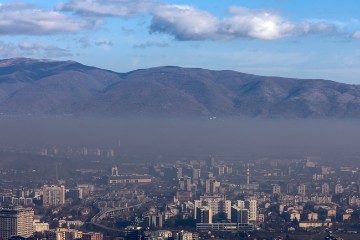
[{"x": 47, "y": 87}]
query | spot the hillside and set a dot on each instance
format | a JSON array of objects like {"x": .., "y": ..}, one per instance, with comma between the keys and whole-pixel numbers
[{"x": 29, "y": 86}]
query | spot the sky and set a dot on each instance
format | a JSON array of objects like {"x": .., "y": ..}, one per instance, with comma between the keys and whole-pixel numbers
[{"x": 290, "y": 38}]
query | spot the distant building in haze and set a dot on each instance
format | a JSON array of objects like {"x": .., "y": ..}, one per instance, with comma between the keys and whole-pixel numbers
[
  {"x": 276, "y": 189},
  {"x": 116, "y": 178},
  {"x": 302, "y": 189},
  {"x": 325, "y": 188},
  {"x": 338, "y": 188},
  {"x": 53, "y": 195}
]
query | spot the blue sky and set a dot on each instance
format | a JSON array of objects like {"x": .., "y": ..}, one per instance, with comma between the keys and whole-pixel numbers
[{"x": 291, "y": 38}]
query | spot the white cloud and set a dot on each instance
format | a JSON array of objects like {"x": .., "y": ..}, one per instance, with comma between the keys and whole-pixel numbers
[
  {"x": 356, "y": 35},
  {"x": 104, "y": 8},
  {"x": 150, "y": 44},
  {"x": 42, "y": 49},
  {"x": 188, "y": 23},
  {"x": 259, "y": 24},
  {"x": 84, "y": 42},
  {"x": 185, "y": 22},
  {"x": 315, "y": 27},
  {"x": 26, "y": 49},
  {"x": 24, "y": 19},
  {"x": 104, "y": 43},
  {"x": 8, "y": 50}
]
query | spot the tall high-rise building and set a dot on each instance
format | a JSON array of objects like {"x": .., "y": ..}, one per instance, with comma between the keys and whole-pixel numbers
[
  {"x": 114, "y": 171},
  {"x": 229, "y": 170},
  {"x": 241, "y": 204},
  {"x": 196, "y": 175},
  {"x": 338, "y": 188},
  {"x": 248, "y": 175},
  {"x": 217, "y": 203},
  {"x": 302, "y": 189},
  {"x": 251, "y": 206},
  {"x": 325, "y": 188},
  {"x": 53, "y": 195},
  {"x": 84, "y": 151},
  {"x": 276, "y": 189},
  {"x": 212, "y": 186},
  {"x": 179, "y": 172},
  {"x": 16, "y": 222},
  {"x": 203, "y": 214},
  {"x": 252, "y": 210},
  {"x": 291, "y": 188},
  {"x": 97, "y": 152},
  {"x": 110, "y": 153},
  {"x": 185, "y": 183},
  {"x": 239, "y": 215},
  {"x": 210, "y": 162},
  {"x": 154, "y": 220},
  {"x": 221, "y": 170}
]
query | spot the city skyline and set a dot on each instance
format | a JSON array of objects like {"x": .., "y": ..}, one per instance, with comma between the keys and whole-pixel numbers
[{"x": 284, "y": 38}]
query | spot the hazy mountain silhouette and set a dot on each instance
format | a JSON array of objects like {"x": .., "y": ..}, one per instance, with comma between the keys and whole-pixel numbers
[{"x": 29, "y": 86}]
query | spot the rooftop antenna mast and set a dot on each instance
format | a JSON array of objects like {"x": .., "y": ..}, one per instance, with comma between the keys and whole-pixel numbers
[{"x": 248, "y": 175}]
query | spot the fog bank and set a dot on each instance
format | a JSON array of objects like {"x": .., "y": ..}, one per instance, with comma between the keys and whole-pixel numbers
[{"x": 231, "y": 137}]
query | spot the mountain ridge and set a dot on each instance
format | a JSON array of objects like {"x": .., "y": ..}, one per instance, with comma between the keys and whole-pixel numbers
[{"x": 30, "y": 86}]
